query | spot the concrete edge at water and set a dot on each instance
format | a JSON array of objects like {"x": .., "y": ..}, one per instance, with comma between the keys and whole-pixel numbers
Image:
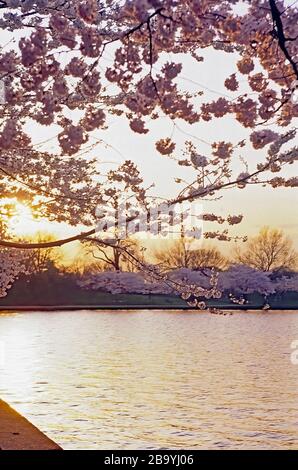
[{"x": 17, "y": 433}]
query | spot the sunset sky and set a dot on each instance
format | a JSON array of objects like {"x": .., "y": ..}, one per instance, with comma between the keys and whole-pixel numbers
[{"x": 260, "y": 206}]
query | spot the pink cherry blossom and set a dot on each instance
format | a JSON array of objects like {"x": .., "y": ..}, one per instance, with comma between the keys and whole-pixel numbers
[
  {"x": 165, "y": 146},
  {"x": 263, "y": 137}
]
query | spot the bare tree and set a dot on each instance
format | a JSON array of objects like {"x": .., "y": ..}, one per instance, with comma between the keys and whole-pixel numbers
[
  {"x": 40, "y": 260},
  {"x": 268, "y": 251},
  {"x": 182, "y": 255},
  {"x": 82, "y": 265},
  {"x": 115, "y": 257}
]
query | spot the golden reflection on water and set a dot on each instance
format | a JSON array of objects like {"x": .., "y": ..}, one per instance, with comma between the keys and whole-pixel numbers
[{"x": 154, "y": 379}]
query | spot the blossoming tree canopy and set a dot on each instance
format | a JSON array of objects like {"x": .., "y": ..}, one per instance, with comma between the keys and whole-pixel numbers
[
  {"x": 55, "y": 77},
  {"x": 238, "y": 280},
  {"x": 241, "y": 279}
]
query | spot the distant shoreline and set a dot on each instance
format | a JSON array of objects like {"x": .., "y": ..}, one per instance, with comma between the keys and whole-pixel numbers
[{"x": 51, "y": 308}]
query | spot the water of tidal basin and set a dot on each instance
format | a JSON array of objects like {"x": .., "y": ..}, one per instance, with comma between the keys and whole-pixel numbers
[{"x": 154, "y": 379}]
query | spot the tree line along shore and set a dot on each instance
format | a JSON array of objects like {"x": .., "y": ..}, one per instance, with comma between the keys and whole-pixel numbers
[{"x": 261, "y": 275}]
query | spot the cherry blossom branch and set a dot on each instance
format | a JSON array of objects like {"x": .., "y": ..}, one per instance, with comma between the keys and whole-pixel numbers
[
  {"x": 279, "y": 31},
  {"x": 50, "y": 244},
  {"x": 40, "y": 190},
  {"x": 190, "y": 197}
]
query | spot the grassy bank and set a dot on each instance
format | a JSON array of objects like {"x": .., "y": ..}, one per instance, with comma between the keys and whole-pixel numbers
[{"x": 55, "y": 291}]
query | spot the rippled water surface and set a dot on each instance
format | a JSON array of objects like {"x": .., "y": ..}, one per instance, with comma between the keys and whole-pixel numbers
[{"x": 154, "y": 379}]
